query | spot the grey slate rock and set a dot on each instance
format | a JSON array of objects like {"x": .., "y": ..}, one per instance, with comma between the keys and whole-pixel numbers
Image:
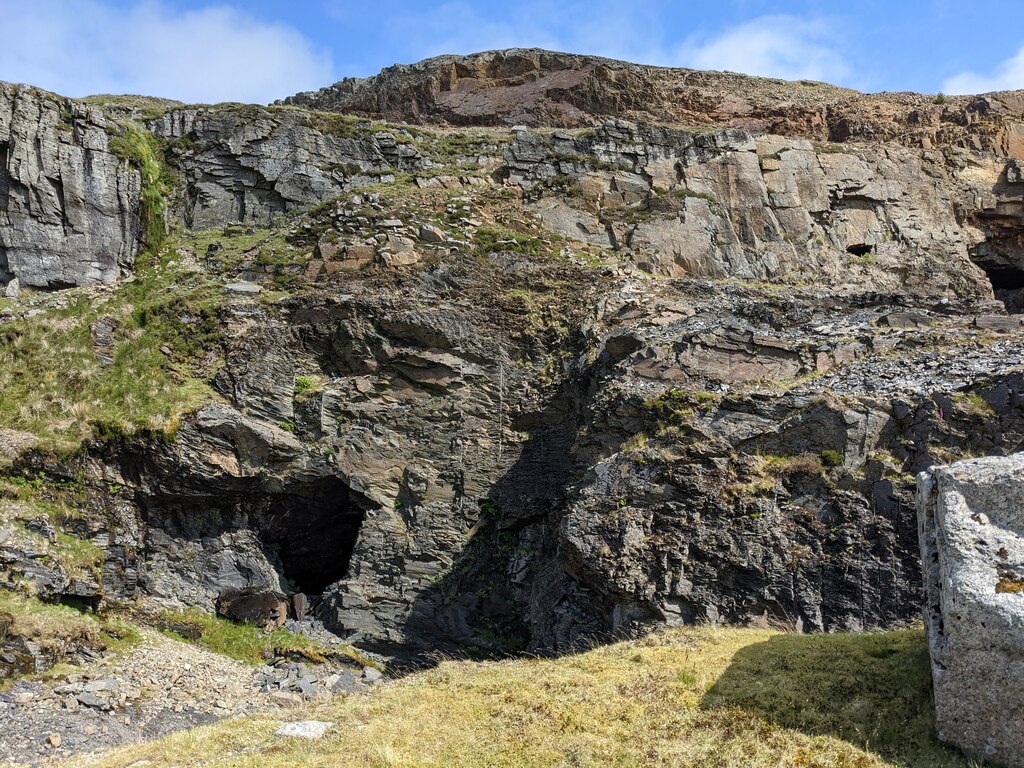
[{"x": 71, "y": 206}]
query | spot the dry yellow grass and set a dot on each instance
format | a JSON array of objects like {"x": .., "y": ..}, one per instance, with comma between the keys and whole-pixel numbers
[{"x": 700, "y": 697}]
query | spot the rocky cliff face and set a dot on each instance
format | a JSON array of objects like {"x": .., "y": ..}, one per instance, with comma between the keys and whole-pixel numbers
[
  {"x": 69, "y": 207},
  {"x": 251, "y": 164},
  {"x": 541, "y": 88},
  {"x": 525, "y": 389}
]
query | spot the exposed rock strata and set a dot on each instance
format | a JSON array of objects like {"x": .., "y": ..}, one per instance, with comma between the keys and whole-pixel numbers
[
  {"x": 972, "y": 546},
  {"x": 252, "y": 164},
  {"x": 615, "y": 379},
  {"x": 69, "y": 207},
  {"x": 729, "y": 204},
  {"x": 543, "y": 88}
]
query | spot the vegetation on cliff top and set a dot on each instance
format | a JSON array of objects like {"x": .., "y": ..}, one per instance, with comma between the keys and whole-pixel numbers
[{"x": 694, "y": 697}]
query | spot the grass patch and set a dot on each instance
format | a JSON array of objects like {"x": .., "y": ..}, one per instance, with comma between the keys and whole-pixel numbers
[
  {"x": 973, "y": 404},
  {"x": 1011, "y": 585},
  {"x": 56, "y": 387},
  {"x": 59, "y": 629},
  {"x": 341, "y": 126},
  {"x": 141, "y": 149},
  {"x": 247, "y": 643},
  {"x": 22, "y": 502},
  {"x": 139, "y": 107},
  {"x": 306, "y": 386},
  {"x": 765, "y": 472},
  {"x": 830, "y": 458},
  {"x": 498, "y": 239},
  {"x": 699, "y": 697},
  {"x": 869, "y": 689}
]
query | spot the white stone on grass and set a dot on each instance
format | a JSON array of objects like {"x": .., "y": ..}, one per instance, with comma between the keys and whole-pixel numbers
[{"x": 304, "y": 729}]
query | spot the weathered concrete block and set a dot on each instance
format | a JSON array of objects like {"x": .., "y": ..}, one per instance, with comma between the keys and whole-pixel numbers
[{"x": 971, "y": 525}]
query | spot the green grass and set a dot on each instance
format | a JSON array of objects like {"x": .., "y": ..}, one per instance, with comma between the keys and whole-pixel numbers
[
  {"x": 689, "y": 698},
  {"x": 869, "y": 689},
  {"x": 56, "y": 388},
  {"x": 499, "y": 239},
  {"x": 23, "y": 500},
  {"x": 247, "y": 643},
  {"x": 830, "y": 458},
  {"x": 57, "y": 627},
  {"x": 143, "y": 107},
  {"x": 306, "y": 386},
  {"x": 141, "y": 149},
  {"x": 973, "y": 404}
]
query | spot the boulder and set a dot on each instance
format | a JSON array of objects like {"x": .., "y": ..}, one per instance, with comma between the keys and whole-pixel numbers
[
  {"x": 299, "y": 606},
  {"x": 432, "y": 235},
  {"x": 971, "y": 526},
  {"x": 243, "y": 289},
  {"x": 262, "y": 607},
  {"x": 304, "y": 729}
]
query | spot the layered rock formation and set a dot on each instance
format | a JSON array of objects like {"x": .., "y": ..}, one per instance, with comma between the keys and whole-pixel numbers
[
  {"x": 252, "y": 164},
  {"x": 972, "y": 546},
  {"x": 728, "y": 204},
  {"x": 541, "y": 88},
  {"x": 522, "y": 389},
  {"x": 69, "y": 207}
]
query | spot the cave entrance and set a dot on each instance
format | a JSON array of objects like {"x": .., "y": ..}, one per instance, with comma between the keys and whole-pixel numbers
[
  {"x": 204, "y": 542},
  {"x": 1007, "y": 286},
  {"x": 312, "y": 528}
]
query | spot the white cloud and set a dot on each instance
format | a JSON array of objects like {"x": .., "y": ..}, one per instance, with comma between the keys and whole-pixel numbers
[
  {"x": 781, "y": 46},
  {"x": 1008, "y": 76},
  {"x": 217, "y": 53}
]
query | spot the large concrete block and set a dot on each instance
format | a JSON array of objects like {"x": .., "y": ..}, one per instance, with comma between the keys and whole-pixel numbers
[{"x": 971, "y": 524}]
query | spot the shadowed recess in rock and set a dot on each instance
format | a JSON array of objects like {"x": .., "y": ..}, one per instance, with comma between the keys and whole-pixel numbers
[
  {"x": 313, "y": 529},
  {"x": 1008, "y": 287},
  {"x": 298, "y": 538}
]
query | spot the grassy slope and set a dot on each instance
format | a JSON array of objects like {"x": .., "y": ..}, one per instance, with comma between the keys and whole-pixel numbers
[
  {"x": 701, "y": 697},
  {"x": 250, "y": 644},
  {"x": 55, "y": 387},
  {"x": 59, "y": 628}
]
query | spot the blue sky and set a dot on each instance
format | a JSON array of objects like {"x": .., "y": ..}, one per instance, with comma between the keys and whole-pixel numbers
[{"x": 259, "y": 50}]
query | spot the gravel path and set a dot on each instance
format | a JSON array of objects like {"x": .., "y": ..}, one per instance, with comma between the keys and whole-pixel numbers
[{"x": 162, "y": 685}]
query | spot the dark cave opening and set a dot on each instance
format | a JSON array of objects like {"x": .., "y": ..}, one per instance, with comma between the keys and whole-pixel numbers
[
  {"x": 1001, "y": 254},
  {"x": 312, "y": 528},
  {"x": 232, "y": 537},
  {"x": 1007, "y": 286}
]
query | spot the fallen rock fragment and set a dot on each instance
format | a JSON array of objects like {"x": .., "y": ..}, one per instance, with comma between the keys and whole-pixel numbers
[
  {"x": 285, "y": 699},
  {"x": 243, "y": 289}
]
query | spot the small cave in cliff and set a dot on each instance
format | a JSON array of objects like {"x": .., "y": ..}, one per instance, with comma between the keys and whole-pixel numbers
[
  {"x": 1001, "y": 254},
  {"x": 209, "y": 539},
  {"x": 1007, "y": 286},
  {"x": 312, "y": 528}
]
